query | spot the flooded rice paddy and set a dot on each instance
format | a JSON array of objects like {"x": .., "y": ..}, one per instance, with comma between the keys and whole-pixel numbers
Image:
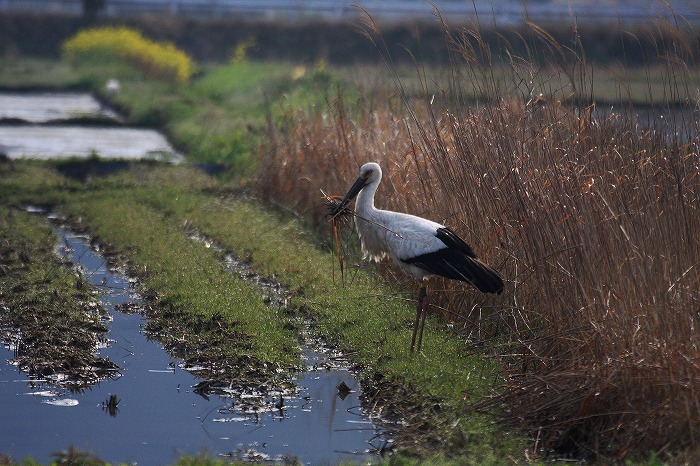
[
  {"x": 44, "y": 107},
  {"x": 148, "y": 412},
  {"x": 151, "y": 410},
  {"x": 60, "y": 142},
  {"x": 58, "y": 126}
]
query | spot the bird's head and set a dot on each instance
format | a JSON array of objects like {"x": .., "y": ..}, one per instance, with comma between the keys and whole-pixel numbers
[{"x": 370, "y": 173}]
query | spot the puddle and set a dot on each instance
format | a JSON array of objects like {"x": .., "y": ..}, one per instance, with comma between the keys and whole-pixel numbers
[
  {"x": 29, "y": 136},
  {"x": 150, "y": 413}
]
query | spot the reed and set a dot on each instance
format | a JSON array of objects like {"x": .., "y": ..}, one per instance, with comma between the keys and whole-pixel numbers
[{"x": 590, "y": 214}]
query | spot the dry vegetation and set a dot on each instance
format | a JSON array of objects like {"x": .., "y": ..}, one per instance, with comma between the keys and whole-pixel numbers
[{"x": 591, "y": 216}]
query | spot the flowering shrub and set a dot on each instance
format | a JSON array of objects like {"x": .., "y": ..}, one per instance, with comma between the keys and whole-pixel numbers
[{"x": 157, "y": 59}]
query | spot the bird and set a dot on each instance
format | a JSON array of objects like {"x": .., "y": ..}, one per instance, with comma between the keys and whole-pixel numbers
[{"x": 420, "y": 247}]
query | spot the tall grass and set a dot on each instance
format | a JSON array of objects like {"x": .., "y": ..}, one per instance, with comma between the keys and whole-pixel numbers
[{"x": 590, "y": 215}]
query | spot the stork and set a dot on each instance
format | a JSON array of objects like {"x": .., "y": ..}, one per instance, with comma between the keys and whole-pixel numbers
[{"x": 421, "y": 248}]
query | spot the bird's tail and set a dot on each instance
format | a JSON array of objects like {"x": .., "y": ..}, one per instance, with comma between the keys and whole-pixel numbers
[
  {"x": 458, "y": 265},
  {"x": 483, "y": 277}
]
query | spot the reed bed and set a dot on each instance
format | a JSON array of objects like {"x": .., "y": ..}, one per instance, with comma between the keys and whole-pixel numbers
[{"x": 592, "y": 217}]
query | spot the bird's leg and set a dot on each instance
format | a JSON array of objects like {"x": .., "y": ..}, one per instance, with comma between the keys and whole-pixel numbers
[
  {"x": 424, "y": 312},
  {"x": 419, "y": 311}
]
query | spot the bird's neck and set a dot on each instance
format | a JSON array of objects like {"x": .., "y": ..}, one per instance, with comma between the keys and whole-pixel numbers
[{"x": 364, "y": 205}]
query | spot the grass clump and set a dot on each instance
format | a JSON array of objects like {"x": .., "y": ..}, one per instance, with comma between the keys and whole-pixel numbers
[
  {"x": 198, "y": 305},
  {"x": 158, "y": 60},
  {"x": 49, "y": 313},
  {"x": 197, "y": 308}
]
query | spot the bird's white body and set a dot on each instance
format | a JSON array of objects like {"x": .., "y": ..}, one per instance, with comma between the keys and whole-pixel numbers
[{"x": 396, "y": 235}]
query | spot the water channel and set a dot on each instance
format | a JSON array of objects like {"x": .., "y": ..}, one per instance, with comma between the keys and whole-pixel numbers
[{"x": 159, "y": 416}]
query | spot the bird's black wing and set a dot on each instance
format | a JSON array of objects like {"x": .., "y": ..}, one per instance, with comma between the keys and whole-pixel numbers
[
  {"x": 457, "y": 261},
  {"x": 453, "y": 241}
]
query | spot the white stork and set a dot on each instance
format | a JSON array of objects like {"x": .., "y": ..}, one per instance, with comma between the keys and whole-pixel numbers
[{"x": 421, "y": 248}]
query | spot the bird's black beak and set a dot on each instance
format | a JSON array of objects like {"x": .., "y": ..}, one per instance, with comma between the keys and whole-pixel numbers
[{"x": 352, "y": 192}]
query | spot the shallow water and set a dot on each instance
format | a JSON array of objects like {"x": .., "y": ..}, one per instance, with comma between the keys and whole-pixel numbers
[{"x": 159, "y": 416}]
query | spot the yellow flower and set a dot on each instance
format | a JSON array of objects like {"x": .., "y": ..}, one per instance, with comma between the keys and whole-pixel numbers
[{"x": 157, "y": 59}]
